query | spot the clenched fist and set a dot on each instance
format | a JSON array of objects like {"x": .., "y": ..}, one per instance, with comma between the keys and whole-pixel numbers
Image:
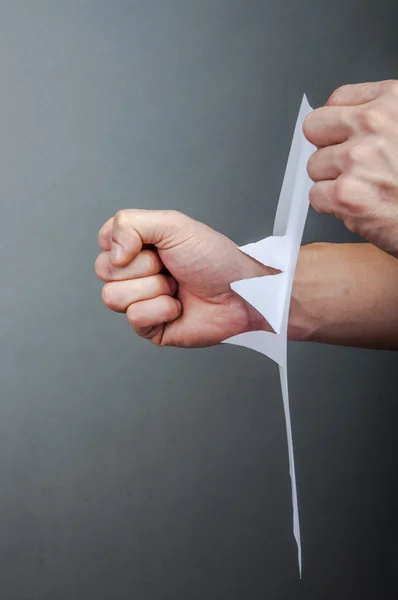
[
  {"x": 171, "y": 275},
  {"x": 355, "y": 168}
]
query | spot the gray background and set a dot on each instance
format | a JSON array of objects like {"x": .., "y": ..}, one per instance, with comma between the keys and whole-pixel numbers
[{"x": 129, "y": 472}]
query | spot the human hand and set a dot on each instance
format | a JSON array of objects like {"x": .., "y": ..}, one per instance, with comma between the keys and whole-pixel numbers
[
  {"x": 171, "y": 275},
  {"x": 355, "y": 168}
]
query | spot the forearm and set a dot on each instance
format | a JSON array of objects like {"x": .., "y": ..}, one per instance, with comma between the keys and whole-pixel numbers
[{"x": 345, "y": 294}]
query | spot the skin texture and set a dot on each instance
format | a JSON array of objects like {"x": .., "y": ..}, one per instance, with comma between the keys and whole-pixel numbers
[
  {"x": 176, "y": 289},
  {"x": 345, "y": 294},
  {"x": 171, "y": 275},
  {"x": 355, "y": 168}
]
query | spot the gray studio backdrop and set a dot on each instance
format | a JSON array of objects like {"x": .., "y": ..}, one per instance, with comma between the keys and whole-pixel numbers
[{"x": 130, "y": 472}]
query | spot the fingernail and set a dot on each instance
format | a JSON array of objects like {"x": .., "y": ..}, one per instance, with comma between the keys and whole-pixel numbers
[{"x": 117, "y": 252}]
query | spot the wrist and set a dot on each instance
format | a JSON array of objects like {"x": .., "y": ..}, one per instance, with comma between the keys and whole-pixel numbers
[{"x": 302, "y": 316}]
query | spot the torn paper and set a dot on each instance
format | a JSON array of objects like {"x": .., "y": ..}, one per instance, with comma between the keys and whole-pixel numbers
[{"x": 271, "y": 294}]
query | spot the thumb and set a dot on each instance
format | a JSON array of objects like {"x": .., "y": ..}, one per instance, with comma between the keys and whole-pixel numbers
[{"x": 129, "y": 230}]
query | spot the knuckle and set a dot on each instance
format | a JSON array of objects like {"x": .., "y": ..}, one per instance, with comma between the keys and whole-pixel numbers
[
  {"x": 97, "y": 265},
  {"x": 334, "y": 98},
  {"x": 342, "y": 192},
  {"x": 102, "y": 266},
  {"x": 311, "y": 166},
  {"x": 359, "y": 153},
  {"x": 368, "y": 151},
  {"x": 349, "y": 197},
  {"x": 371, "y": 119},
  {"x": 353, "y": 154},
  {"x": 308, "y": 127},
  {"x": 122, "y": 218},
  {"x": 352, "y": 225},
  {"x": 313, "y": 193},
  {"x": 101, "y": 238},
  {"x": 315, "y": 197},
  {"x": 109, "y": 296},
  {"x": 132, "y": 316},
  {"x": 378, "y": 148},
  {"x": 390, "y": 86}
]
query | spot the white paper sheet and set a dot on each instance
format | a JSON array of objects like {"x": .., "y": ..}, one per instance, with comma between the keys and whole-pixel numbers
[{"x": 271, "y": 295}]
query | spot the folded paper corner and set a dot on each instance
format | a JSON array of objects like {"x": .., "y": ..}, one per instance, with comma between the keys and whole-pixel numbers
[
  {"x": 267, "y": 294},
  {"x": 269, "y": 344},
  {"x": 273, "y": 251}
]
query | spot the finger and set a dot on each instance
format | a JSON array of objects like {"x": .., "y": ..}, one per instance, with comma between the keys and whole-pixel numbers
[
  {"x": 355, "y": 94},
  {"x": 105, "y": 235},
  {"x": 133, "y": 228},
  {"x": 321, "y": 196},
  {"x": 330, "y": 125},
  {"x": 326, "y": 163},
  {"x": 147, "y": 318},
  {"x": 146, "y": 263},
  {"x": 118, "y": 295}
]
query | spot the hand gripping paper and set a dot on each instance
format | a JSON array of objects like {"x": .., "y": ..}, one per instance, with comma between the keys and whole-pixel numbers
[{"x": 271, "y": 294}]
